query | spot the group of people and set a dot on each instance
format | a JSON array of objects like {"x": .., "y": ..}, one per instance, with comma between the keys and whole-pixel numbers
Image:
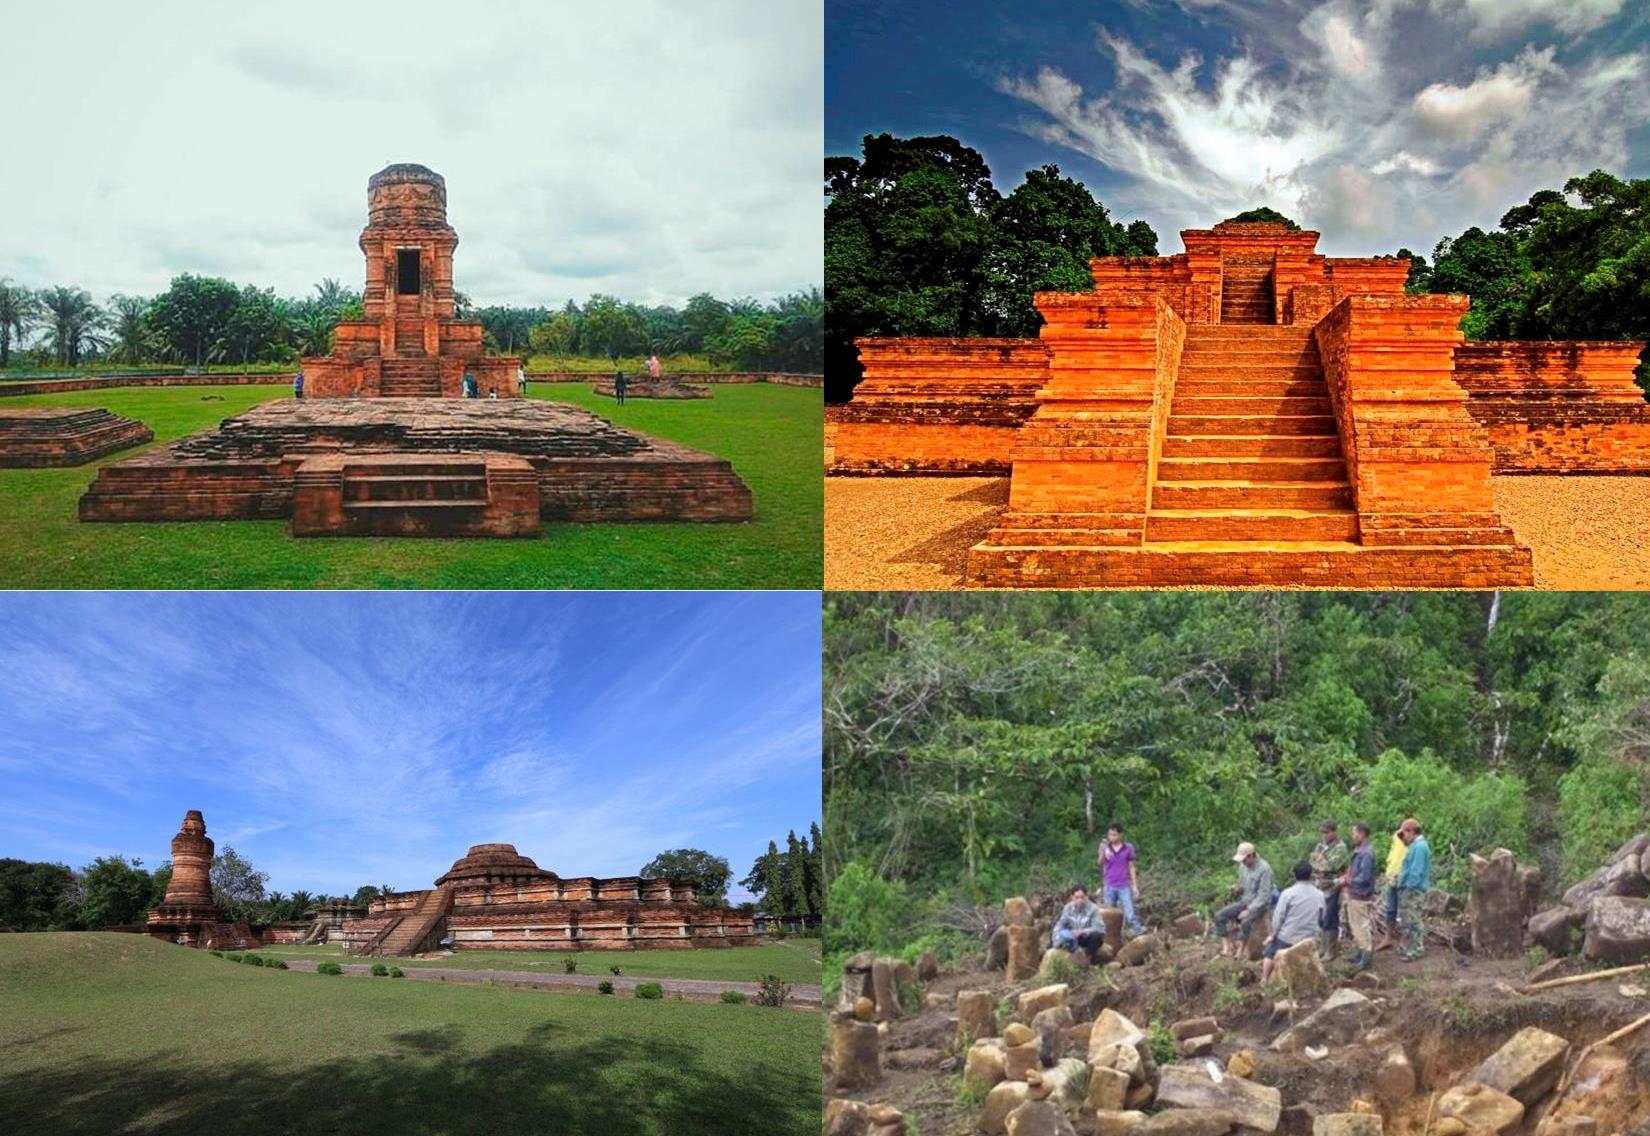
[
  {"x": 621, "y": 384},
  {"x": 1337, "y": 892}
]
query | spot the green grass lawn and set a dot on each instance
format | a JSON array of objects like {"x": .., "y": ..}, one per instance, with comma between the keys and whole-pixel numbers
[
  {"x": 795, "y": 960},
  {"x": 771, "y": 434},
  {"x": 103, "y": 1033}
]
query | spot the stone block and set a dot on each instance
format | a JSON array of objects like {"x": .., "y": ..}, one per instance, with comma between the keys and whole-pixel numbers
[
  {"x": 1247, "y": 1103},
  {"x": 1617, "y": 930},
  {"x": 976, "y": 1014},
  {"x": 1347, "y": 1124},
  {"x": 1034, "y": 1002},
  {"x": 1108, "y": 1089},
  {"x": 1483, "y": 1110},
  {"x": 1024, "y": 955},
  {"x": 1527, "y": 1067}
]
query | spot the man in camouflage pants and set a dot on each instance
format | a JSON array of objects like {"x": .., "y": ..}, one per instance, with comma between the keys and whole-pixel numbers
[
  {"x": 1329, "y": 860},
  {"x": 1414, "y": 881}
]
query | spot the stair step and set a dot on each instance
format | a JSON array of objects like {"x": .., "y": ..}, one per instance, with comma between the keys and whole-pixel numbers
[
  {"x": 1251, "y": 469},
  {"x": 437, "y": 503},
  {"x": 1252, "y": 445},
  {"x": 1249, "y": 424},
  {"x": 1250, "y": 524},
  {"x": 1193, "y": 402},
  {"x": 1204, "y": 386},
  {"x": 1199, "y": 495}
]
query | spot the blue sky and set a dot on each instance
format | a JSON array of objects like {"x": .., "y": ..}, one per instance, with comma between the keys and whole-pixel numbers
[
  {"x": 1383, "y": 123},
  {"x": 341, "y": 740}
]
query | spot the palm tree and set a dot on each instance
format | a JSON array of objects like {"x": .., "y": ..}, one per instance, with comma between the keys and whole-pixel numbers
[
  {"x": 276, "y": 905},
  {"x": 129, "y": 329},
  {"x": 18, "y": 311},
  {"x": 313, "y": 330},
  {"x": 333, "y": 296},
  {"x": 72, "y": 321}
]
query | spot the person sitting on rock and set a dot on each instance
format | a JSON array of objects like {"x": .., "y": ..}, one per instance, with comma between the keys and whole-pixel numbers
[
  {"x": 1119, "y": 882},
  {"x": 1329, "y": 860},
  {"x": 1414, "y": 881},
  {"x": 1395, "y": 853},
  {"x": 1078, "y": 928},
  {"x": 1297, "y": 917},
  {"x": 1359, "y": 883},
  {"x": 1255, "y": 891}
]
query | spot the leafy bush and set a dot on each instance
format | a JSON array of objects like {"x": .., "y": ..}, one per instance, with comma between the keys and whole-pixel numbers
[
  {"x": 379, "y": 970},
  {"x": 1600, "y": 805},
  {"x": 329, "y": 968},
  {"x": 734, "y": 997},
  {"x": 604, "y": 987},
  {"x": 650, "y": 991},
  {"x": 254, "y": 960},
  {"x": 614, "y": 969},
  {"x": 774, "y": 991},
  {"x": 215, "y": 954},
  {"x": 276, "y": 964},
  {"x": 570, "y": 965},
  {"x": 234, "y": 957},
  {"x": 397, "y": 972},
  {"x": 867, "y": 911},
  {"x": 1162, "y": 1043}
]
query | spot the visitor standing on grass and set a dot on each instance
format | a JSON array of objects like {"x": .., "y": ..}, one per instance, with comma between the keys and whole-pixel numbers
[
  {"x": 618, "y": 386},
  {"x": 1297, "y": 917},
  {"x": 1414, "y": 881},
  {"x": 1078, "y": 928},
  {"x": 298, "y": 383},
  {"x": 1395, "y": 853},
  {"x": 1255, "y": 890},
  {"x": 1360, "y": 897},
  {"x": 653, "y": 367},
  {"x": 1119, "y": 882},
  {"x": 1329, "y": 860}
]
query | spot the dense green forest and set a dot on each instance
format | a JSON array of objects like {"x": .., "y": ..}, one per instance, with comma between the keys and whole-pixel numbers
[
  {"x": 201, "y": 320},
  {"x": 919, "y": 242},
  {"x": 976, "y": 746}
]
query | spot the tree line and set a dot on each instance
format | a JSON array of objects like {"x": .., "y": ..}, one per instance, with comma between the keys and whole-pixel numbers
[
  {"x": 204, "y": 320},
  {"x": 788, "y": 882},
  {"x": 974, "y": 744},
  {"x": 918, "y": 242}
]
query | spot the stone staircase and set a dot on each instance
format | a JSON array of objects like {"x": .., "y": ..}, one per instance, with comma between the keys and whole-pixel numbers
[
  {"x": 417, "y": 929},
  {"x": 1251, "y": 452},
  {"x": 1246, "y": 292},
  {"x": 418, "y": 377}
]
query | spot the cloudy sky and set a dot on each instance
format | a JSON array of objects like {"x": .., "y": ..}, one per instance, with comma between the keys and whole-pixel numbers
[
  {"x": 341, "y": 740},
  {"x": 1383, "y": 123},
  {"x": 643, "y": 148}
]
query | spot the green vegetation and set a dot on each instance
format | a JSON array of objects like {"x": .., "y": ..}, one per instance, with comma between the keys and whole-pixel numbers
[
  {"x": 789, "y": 883},
  {"x": 88, "y": 1044},
  {"x": 977, "y": 746},
  {"x": 731, "y": 997},
  {"x": 771, "y": 435},
  {"x": 329, "y": 968},
  {"x": 919, "y": 242},
  {"x": 379, "y": 970},
  {"x": 395, "y": 971},
  {"x": 708, "y": 874},
  {"x": 1266, "y": 214},
  {"x": 795, "y": 960},
  {"x": 604, "y": 987},
  {"x": 650, "y": 991}
]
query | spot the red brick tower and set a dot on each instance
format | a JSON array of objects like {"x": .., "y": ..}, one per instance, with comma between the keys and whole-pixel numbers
[
  {"x": 187, "y": 914},
  {"x": 409, "y": 342}
]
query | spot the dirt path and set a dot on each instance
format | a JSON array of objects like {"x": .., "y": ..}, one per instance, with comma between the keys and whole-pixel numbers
[{"x": 803, "y": 996}]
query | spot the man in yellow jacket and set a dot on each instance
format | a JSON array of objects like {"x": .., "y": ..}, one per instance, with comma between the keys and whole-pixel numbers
[{"x": 1396, "y": 852}]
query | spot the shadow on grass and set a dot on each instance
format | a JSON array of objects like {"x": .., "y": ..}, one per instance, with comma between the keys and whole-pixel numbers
[{"x": 428, "y": 1084}]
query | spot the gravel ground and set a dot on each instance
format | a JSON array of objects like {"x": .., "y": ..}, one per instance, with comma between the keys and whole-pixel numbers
[
  {"x": 1587, "y": 533},
  {"x": 913, "y": 533}
]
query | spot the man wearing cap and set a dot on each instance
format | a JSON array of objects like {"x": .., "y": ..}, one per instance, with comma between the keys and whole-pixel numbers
[
  {"x": 1329, "y": 860},
  {"x": 1255, "y": 889},
  {"x": 1414, "y": 881}
]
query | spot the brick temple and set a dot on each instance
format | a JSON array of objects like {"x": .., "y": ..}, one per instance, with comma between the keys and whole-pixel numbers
[
  {"x": 410, "y": 342},
  {"x": 494, "y": 898},
  {"x": 1247, "y": 412},
  {"x": 188, "y": 914},
  {"x": 39, "y": 438}
]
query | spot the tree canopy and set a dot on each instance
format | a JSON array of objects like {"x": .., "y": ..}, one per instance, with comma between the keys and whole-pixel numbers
[
  {"x": 1264, "y": 213},
  {"x": 710, "y": 874}
]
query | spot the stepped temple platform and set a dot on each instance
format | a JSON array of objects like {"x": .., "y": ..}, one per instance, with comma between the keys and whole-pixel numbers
[
  {"x": 418, "y": 466},
  {"x": 494, "y": 898},
  {"x": 48, "y": 436},
  {"x": 187, "y": 914},
  {"x": 409, "y": 343},
  {"x": 662, "y": 387},
  {"x": 1246, "y": 413}
]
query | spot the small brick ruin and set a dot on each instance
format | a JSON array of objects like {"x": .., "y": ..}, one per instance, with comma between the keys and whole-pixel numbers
[
  {"x": 1246, "y": 413},
  {"x": 494, "y": 898},
  {"x": 52, "y": 436},
  {"x": 187, "y": 914},
  {"x": 429, "y": 466},
  {"x": 411, "y": 342},
  {"x": 645, "y": 386}
]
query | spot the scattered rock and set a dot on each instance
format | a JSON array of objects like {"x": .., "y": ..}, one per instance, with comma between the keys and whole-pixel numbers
[
  {"x": 976, "y": 1015},
  {"x": 1394, "y": 1079},
  {"x": 1121, "y": 1056},
  {"x": 999, "y": 1102},
  {"x": 1053, "y": 957},
  {"x": 1140, "y": 1096},
  {"x": 1480, "y": 1109},
  {"x": 1108, "y": 1088},
  {"x": 1195, "y": 1046},
  {"x": 1022, "y": 1059},
  {"x": 1366, "y": 980},
  {"x": 1049, "y": 1025},
  {"x": 1016, "y": 912},
  {"x": 1343, "y": 1015},
  {"x": 854, "y": 1060},
  {"x": 1576, "y": 1125},
  {"x": 1034, "y": 1002},
  {"x": 1138, "y": 949},
  {"x": 1187, "y": 1122},
  {"x": 1618, "y": 930},
  {"x": 1187, "y": 927},
  {"x": 885, "y": 990},
  {"x": 845, "y": 1117},
  {"x": 917, "y": 1057},
  {"x": 856, "y": 980},
  {"x": 1495, "y": 905},
  {"x": 1193, "y": 1027},
  {"x": 1241, "y": 1063},
  {"x": 1065, "y": 1085},
  {"x": 1527, "y": 1067},
  {"x": 1449, "y": 1126},
  {"x": 1018, "y": 1033},
  {"x": 1118, "y": 1123},
  {"x": 1247, "y": 1103},
  {"x": 983, "y": 1066},
  {"x": 928, "y": 966},
  {"x": 1038, "y": 1118},
  {"x": 996, "y": 949},
  {"x": 1301, "y": 969},
  {"x": 864, "y": 1008},
  {"x": 1023, "y": 954},
  {"x": 1347, "y": 1124},
  {"x": 1112, "y": 1028},
  {"x": 1111, "y": 919}
]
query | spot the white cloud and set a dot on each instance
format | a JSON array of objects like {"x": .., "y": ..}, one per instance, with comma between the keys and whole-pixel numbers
[
  {"x": 1494, "y": 96},
  {"x": 1493, "y": 18}
]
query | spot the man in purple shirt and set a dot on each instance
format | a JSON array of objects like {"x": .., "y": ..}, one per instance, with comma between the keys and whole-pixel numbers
[{"x": 1121, "y": 884}]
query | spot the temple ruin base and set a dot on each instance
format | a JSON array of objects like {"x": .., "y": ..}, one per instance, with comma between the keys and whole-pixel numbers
[
  {"x": 418, "y": 466},
  {"x": 50, "y": 436}
]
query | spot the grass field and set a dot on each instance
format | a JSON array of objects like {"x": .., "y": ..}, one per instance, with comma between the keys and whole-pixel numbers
[
  {"x": 771, "y": 434},
  {"x": 795, "y": 960},
  {"x": 104, "y": 1033}
]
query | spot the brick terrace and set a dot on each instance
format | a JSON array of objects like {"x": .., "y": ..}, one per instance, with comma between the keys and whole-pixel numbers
[{"x": 49, "y": 436}]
